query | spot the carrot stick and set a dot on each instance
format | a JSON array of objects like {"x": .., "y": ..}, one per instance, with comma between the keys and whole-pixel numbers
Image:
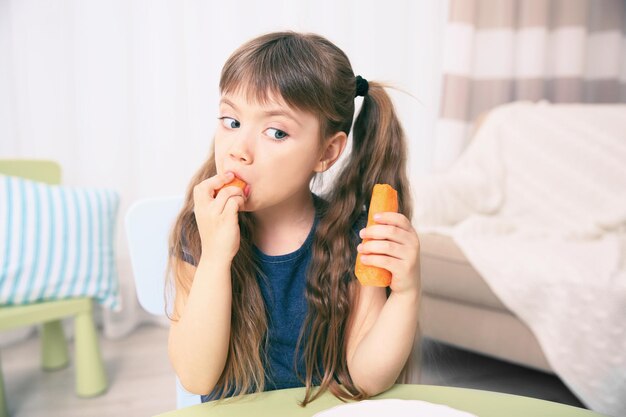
[{"x": 384, "y": 199}]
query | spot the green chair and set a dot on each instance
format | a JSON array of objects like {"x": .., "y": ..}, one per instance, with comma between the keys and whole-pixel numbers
[{"x": 91, "y": 379}]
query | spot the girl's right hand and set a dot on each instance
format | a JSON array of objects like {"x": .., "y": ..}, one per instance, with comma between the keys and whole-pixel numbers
[{"x": 217, "y": 217}]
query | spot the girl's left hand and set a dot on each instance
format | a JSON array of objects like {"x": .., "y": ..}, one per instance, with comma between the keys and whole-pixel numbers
[{"x": 394, "y": 246}]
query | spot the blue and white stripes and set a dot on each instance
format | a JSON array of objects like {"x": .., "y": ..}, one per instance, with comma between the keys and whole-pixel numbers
[{"x": 56, "y": 242}]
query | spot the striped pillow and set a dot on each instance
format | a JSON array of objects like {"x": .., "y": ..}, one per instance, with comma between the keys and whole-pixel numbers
[{"x": 56, "y": 242}]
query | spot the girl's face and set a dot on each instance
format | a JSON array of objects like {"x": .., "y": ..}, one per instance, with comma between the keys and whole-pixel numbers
[{"x": 272, "y": 147}]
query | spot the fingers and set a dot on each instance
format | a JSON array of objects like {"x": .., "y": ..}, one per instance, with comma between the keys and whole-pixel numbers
[
  {"x": 394, "y": 238},
  {"x": 381, "y": 247},
  {"x": 233, "y": 204},
  {"x": 231, "y": 197},
  {"x": 392, "y": 244},
  {"x": 393, "y": 219},
  {"x": 390, "y": 226},
  {"x": 204, "y": 191},
  {"x": 384, "y": 232},
  {"x": 381, "y": 261},
  {"x": 394, "y": 257}
]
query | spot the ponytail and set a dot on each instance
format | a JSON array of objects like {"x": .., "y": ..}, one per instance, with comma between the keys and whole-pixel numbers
[
  {"x": 379, "y": 155},
  {"x": 379, "y": 150}
]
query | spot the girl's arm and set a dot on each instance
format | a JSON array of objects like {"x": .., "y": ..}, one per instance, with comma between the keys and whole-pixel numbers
[
  {"x": 382, "y": 330},
  {"x": 199, "y": 339}
]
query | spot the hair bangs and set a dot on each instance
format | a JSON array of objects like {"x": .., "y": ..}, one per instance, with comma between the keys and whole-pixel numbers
[{"x": 280, "y": 69}]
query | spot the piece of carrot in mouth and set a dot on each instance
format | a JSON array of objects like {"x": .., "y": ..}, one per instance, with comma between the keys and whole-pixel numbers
[{"x": 236, "y": 182}]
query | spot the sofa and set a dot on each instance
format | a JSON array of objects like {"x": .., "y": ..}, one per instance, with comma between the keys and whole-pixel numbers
[
  {"x": 522, "y": 245},
  {"x": 460, "y": 309}
]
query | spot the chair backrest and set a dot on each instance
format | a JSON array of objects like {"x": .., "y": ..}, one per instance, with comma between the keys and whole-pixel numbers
[
  {"x": 32, "y": 169},
  {"x": 148, "y": 223}
]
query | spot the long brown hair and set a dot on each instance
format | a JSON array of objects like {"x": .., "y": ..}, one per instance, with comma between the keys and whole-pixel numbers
[{"x": 310, "y": 74}]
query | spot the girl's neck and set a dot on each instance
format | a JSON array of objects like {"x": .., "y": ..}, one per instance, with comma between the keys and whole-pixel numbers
[{"x": 283, "y": 228}]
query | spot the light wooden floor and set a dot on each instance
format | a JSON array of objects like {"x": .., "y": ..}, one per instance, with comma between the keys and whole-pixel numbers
[{"x": 142, "y": 382}]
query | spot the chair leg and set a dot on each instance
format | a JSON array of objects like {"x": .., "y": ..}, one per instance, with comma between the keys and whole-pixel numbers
[
  {"x": 91, "y": 379},
  {"x": 4, "y": 409},
  {"x": 53, "y": 346}
]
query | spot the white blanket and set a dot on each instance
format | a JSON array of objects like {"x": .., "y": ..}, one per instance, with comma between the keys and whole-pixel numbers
[{"x": 537, "y": 203}]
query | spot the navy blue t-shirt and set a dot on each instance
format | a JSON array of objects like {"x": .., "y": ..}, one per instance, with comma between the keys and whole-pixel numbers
[{"x": 283, "y": 290}]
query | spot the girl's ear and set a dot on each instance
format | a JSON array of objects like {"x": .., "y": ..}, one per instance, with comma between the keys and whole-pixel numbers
[{"x": 333, "y": 148}]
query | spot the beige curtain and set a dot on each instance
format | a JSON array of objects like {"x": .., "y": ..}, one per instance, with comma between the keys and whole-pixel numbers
[{"x": 498, "y": 51}]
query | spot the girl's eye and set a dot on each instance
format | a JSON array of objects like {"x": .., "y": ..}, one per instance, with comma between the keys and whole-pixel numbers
[
  {"x": 230, "y": 123},
  {"x": 276, "y": 134}
]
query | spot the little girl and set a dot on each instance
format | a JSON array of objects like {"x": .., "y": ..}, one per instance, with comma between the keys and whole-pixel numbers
[{"x": 265, "y": 292}]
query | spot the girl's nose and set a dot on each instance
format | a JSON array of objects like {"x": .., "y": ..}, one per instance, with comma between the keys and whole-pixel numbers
[{"x": 241, "y": 152}]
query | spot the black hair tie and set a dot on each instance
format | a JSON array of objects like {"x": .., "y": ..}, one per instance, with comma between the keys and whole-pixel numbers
[{"x": 362, "y": 86}]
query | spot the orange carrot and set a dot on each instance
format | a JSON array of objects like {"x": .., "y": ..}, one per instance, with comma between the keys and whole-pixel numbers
[
  {"x": 384, "y": 198},
  {"x": 236, "y": 182}
]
